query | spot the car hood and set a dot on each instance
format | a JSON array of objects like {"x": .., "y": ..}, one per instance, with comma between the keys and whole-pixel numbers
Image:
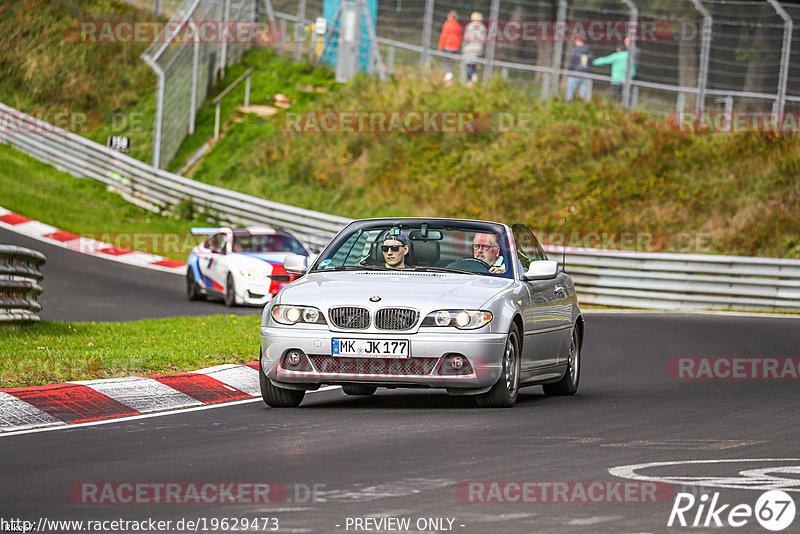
[
  {"x": 394, "y": 288},
  {"x": 270, "y": 257}
]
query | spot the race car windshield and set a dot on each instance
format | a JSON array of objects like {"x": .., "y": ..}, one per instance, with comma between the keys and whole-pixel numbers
[
  {"x": 469, "y": 247},
  {"x": 267, "y": 243}
]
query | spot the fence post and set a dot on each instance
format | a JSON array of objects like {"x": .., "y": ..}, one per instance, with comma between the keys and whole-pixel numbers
[
  {"x": 494, "y": 14},
  {"x": 224, "y": 53},
  {"x": 424, "y": 57},
  {"x": 558, "y": 52},
  {"x": 705, "y": 51},
  {"x": 633, "y": 29},
  {"x": 195, "y": 73},
  {"x": 274, "y": 31},
  {"x": 157, "y": 7},
  {"x": 786, "y": 50},
  {"x": 159, "y": 119},
  {"x": 299, "y": 30}
]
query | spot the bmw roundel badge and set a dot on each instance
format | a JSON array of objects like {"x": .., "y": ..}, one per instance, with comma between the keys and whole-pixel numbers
[{"x": 376, "y": 298}]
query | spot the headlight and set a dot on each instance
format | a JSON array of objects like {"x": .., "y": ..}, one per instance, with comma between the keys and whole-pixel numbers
[
  {"x": 462, "y": 319},
  {"x": 297, "y": 314},
  {"x": 254, "y": 276}
]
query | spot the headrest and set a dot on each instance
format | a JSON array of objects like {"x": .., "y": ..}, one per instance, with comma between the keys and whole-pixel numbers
[{"x": 426, "y": 252}]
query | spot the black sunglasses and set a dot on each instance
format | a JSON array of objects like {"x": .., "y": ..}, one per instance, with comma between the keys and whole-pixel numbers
[{"x": 394, "y": 248}]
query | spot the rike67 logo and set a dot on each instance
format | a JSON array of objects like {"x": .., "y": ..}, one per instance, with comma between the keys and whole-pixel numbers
[{"x": 774, "y": 510}]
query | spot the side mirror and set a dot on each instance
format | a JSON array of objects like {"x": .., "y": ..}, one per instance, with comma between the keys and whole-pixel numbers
[
  {"x": 542, "y": 270},
  {"x": 295, "y": 263}
]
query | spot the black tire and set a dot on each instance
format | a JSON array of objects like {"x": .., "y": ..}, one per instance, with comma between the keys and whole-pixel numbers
[
  {"x": 359, "y": 389},
  {"x": 568, "y": 385},
  {"x": 504, "y": 393},
  {"x": 276, "y": 397},
  {"x": 192, "y": 289},
  {"x": 230, "y": 292}
]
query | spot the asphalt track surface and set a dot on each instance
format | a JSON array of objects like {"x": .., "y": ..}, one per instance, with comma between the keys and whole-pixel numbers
[
  {"x": 78, "y": 287},
  {"x": 405, "y": 453}
]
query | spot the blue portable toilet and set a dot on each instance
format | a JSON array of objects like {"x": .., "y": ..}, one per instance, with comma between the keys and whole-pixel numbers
[{"x": 329, "y": 9}]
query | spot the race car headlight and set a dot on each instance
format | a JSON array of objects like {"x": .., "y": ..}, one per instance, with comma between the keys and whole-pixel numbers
[
  {"x": 461, "y": 319},
  {"x": 254, "y": 276},
  {"x": 297, "y": 314}
]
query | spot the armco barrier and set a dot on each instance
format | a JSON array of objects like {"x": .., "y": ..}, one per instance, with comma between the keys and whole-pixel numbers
[
  {"x": 609, "y": 278},
  {"x": 19, "y": 284},
  {"x": 152, "y": 188},
  {"x": 683, "y": 281}
]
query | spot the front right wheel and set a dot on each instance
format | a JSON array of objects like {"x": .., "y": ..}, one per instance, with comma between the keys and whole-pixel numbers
[
  {"x": 276, "y": 397},
  {"x": 504, "y": 393}
]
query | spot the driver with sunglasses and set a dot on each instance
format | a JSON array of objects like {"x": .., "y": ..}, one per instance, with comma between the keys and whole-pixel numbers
[{"x": 395, "y": 249}]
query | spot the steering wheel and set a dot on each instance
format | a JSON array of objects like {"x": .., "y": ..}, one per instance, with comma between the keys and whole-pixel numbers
[{"x": 473, "y": 265}]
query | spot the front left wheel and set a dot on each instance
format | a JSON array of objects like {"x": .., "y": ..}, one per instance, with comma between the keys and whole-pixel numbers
[
  {"x": 192, "y": 288},
  {"x": 504, "y": 393},
  {"x": 230, "y": 292},
  {"x": 276, "y": 397}
]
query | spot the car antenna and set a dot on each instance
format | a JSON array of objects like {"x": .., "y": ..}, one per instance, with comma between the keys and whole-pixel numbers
[{"x": 564, "y": 249}]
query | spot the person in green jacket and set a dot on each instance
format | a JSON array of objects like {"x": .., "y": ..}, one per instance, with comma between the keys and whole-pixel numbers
[{"x": 619, "y": 64}]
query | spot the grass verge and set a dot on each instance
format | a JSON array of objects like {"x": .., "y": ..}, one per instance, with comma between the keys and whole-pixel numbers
[
  {"x": 86, "y": 207},
  {"x": 50, "y": 352}
]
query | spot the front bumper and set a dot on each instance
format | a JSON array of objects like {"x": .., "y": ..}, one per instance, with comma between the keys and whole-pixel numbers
[{"x": 426, "y": 366}]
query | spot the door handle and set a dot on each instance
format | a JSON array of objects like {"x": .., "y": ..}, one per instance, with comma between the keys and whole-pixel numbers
[{"x": 559, "y": 289}]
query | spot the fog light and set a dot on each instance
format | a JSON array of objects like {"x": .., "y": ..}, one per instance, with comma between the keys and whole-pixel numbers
[
  {"x": 293, "y": 358},
  {"x": 457, "y": 362}
]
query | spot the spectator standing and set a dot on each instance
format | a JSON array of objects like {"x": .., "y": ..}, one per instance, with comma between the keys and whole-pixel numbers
[
  {"x": 578, "y": 61},
  {"x": 619, "y": 65},
  {"x": 449, "y": 43},
  {"x": 472, "y": 48}
]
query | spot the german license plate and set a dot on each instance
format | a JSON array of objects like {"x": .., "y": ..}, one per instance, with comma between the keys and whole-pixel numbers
[{"x": 370, "y": 348}]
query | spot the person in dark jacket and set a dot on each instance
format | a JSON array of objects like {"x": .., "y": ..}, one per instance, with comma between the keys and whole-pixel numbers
[{"x": 579, "y": 60}]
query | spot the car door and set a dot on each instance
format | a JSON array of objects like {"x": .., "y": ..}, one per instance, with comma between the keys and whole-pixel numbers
[
  {"x": 209, "y": 261},
  {"x": 543, "y": 314}
]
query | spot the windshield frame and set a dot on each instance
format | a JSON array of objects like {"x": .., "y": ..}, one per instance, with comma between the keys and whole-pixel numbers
[{"x": 501, "y": 231}]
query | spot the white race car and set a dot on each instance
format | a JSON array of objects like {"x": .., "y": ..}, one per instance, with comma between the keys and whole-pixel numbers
[{"x": 243, "y": 265}]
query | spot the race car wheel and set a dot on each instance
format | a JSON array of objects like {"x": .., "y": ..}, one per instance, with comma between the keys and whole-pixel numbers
[
  {"x": 192, "y": 289},
  {"x": 358, "y": 389},
  {"x": 276, "y": 397},
  {"x": 504, "y": 393},
  {"x": 230, "y": 292},
  {"x": 569, "y": 384}
]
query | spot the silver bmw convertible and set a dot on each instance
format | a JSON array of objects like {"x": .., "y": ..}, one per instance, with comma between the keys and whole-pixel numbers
[{"x": 472, "y": 307}]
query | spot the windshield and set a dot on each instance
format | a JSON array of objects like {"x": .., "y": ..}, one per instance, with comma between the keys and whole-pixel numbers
[
  {"x": 442, "y": 245},
  {"x": 272, "y": 242}
]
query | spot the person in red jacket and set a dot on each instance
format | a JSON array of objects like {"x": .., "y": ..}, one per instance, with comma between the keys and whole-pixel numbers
[{"x": 449, "y": 43}]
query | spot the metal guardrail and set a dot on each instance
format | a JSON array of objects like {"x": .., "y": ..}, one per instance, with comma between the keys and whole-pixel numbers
[
  {"x": 19, "y": 284},
  {"x": 610, "y": 278},
  {"x": 683, "y": 281},
  {"x": 155, "y": 189}
]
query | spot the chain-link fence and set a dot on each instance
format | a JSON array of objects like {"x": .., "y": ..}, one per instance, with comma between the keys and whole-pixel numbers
[
  {"x": 688, "y": 54},
  {"x": 193, "y": 50}
]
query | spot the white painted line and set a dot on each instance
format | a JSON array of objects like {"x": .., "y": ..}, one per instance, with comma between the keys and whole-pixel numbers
[
  {"x": 65, "y": 426},
  {"x": 18, "y": 414},
  {"x": 141, "y": 393}
]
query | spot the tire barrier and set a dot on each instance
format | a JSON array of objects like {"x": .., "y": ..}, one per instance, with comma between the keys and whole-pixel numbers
[{"x": 20, "y": 275}]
